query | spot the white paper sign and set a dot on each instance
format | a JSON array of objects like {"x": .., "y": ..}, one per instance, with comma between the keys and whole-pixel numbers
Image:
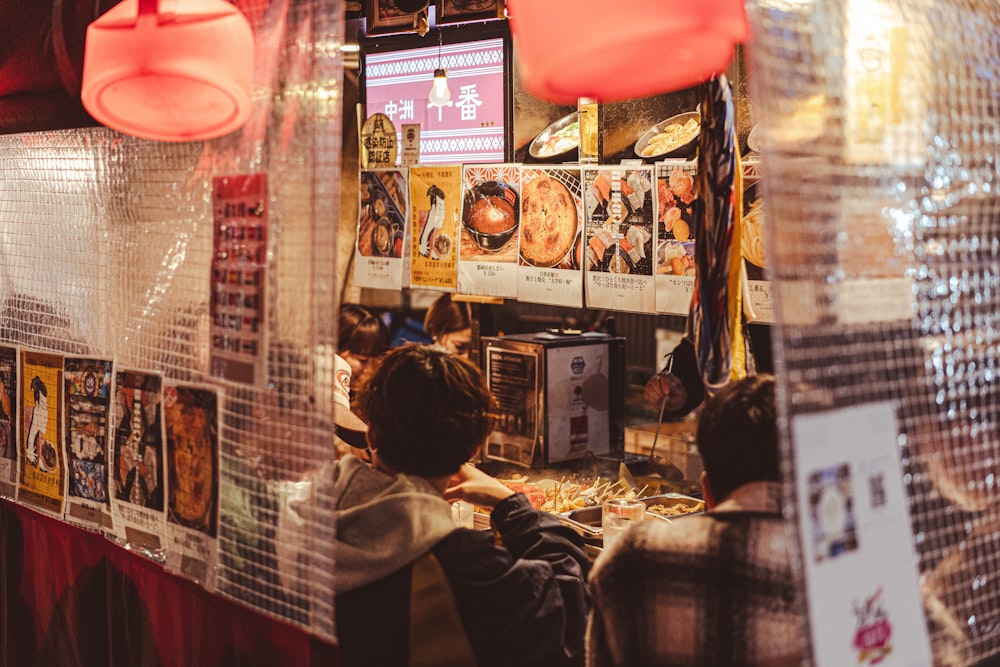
[{"x": 861, "y": 574}]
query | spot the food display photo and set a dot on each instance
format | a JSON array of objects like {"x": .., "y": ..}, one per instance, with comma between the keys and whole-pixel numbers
[
  {"x": 676, "y": 136},
  {"x": 619, "y": 242},
  {"x": 487, "y": 247},
  {"x": 559, "y": 142},
  {"x": 381, "y": 222},
  {"x": 752, "y": 233},
  {"x": 549, "y": 236},
  {"x": 675, "y": 202}
]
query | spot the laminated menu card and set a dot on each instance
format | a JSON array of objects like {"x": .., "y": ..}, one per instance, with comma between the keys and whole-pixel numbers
[
  {"x": 43, "y": 463},
  {"x": 382, "y": 216},
  {"x": 191, "y": 426},
  {"x": 618, "y": 203},
  {"x": 676, "y": 198},
  {"x": 549, "y": 238},
  {"x": 138, "y": 479},
  {"x": 487, "y": 250},
  {"x": 87, "y": 419}
]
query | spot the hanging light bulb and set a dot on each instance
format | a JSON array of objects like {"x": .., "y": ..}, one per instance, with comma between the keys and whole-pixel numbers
[{"x": 440, "y": 95}]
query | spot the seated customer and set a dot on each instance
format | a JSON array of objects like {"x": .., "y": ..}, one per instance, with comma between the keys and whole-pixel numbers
[
  {"x": 361, "y": 337},
  {"x": 411, "y": 587},
  {"x": 449, "y": 324},
  {"x": 713, "y": 589}
]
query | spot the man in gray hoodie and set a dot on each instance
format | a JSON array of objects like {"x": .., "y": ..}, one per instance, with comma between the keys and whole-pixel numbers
[{"x": 411, "y": 587}]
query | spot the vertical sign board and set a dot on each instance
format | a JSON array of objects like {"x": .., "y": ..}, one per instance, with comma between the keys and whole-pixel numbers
[
  {"x": 238, "y": 271},
  {"x": 861, "y": 571}
]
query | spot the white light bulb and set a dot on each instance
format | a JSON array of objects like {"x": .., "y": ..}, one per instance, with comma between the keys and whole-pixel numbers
[{"x": 440, "y": 95}]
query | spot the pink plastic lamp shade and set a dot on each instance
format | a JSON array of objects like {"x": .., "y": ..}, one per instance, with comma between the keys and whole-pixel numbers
[
  {"x": 182, "y": 75},
  {"x": 615, "y": 51}
]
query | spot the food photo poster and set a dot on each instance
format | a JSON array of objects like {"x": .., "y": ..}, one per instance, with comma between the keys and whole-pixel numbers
[
  {"x": 435, "y": 210},
  {"x": 137, "y": 468},
  {"x": 618, "y": 203},
  {"x": 676, "y": 202},
  {"x": 550, "y": 246},
  {"x": 487, "y": 256},
  {"x": 88, "y": 406},
  {"x": 42, "y": 457},
  {"x": 191, "y": 426},
  {"x": 382, "y": 217}
]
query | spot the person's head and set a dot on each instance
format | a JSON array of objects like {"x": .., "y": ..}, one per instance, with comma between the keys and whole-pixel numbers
[
  {"x": 738, "y": 436},
  {"x": 449, "y": 324},
  {"x": 428, "y": 411},
  {"x": 361, "y": 336}
]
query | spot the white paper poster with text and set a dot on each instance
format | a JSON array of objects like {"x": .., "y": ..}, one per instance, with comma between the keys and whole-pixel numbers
[
  {"x": 487, "y": 249},
  {"x": 382, "y": 218},
  {"x": 864, "y": 602},
  {"x": 550, "y": 239},
  {"x": 676, "y": 199},
  {"x": 619, "y": 255}
]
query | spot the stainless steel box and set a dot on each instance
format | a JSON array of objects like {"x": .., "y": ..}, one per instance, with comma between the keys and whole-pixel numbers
[{"x": 561, "y": 396}]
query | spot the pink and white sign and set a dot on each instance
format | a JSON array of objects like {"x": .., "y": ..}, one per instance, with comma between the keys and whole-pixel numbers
[{"x": 470, "y": 127}]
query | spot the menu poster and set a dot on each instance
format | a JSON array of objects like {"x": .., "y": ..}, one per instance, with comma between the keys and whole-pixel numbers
[
  {"x": 675, "y": 205},
  {"x": 619, "y": 254},
  {"x": 752, "y": 243},
  {"x": 8, "y": 422},
  {"x": 238, "y": 266},
  {"x": 435, "y": 210},
  {"x": 190, "y": 417},
  {"x": 487, "y": 255},
  {"x": 42, "y": 467},
  {"x": 137, "y": 504},
  {"x": 862, "y": 589},
  {"x": 549, "y": 244},
  {"x": 382, "y": 216},
  {"x": 512, "y": 377},
  {"x": 88, "y": 407}
]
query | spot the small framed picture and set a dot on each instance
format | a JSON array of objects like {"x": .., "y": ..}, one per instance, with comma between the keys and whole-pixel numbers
[
  {"x": 385, "y": 17},
  {"x": 457, "y": 11}
]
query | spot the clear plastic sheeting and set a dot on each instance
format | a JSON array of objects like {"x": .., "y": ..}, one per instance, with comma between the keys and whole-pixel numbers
[
  {"x": 106, "y": 249},
  {"x": 878, "y": 123}
]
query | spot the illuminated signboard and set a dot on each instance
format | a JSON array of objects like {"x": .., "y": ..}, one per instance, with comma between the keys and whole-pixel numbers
[{"x": 472, "y": 127}]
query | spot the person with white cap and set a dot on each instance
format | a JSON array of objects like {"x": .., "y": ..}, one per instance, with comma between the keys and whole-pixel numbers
[{"x": 350, "y": 433}]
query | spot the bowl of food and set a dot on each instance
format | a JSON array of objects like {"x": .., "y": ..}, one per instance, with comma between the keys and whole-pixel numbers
[
  {"x": 490, "y": 214},
  {"x": 559, "y": 142},
  {"x": 676, "y": 136}
]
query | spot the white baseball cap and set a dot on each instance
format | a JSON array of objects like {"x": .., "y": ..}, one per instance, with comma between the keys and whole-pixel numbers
[{"x": 342, "y": 415}]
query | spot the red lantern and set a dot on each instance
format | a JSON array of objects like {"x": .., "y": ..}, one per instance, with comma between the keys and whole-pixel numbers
[
  {"x": 622, "y": 50},
  {"x": 178, "y": 76}
]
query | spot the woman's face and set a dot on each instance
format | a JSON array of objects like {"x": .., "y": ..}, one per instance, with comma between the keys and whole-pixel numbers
[
  {"x": 457, "y": 342},
  {"x": 357, "y": 362}
]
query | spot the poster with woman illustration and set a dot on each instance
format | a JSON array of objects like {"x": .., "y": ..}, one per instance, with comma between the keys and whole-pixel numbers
[
  {"x": 8, "y": 422},
  {"x": 88, "y": 406},
  {"x": 190, "y": 418},
  {"x": 43, "y": 461},
  {"x": 137, "y": 470},
  {"x": 435, "y": 210}
]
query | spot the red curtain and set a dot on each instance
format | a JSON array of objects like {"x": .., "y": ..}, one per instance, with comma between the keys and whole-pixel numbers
[{"x": 71, "y": 598}]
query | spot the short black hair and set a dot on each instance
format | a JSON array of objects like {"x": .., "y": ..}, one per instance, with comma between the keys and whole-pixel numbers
[
  {"x": 428, "y": 411},
  {"x": 738, "y": 435}
]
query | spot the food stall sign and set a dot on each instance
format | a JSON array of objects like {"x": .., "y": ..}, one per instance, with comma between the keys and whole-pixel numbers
[{"x": 378, "y": 142}]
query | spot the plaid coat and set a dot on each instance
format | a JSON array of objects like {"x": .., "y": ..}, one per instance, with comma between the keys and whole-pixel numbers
[{"x": 713, "y": 589}]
